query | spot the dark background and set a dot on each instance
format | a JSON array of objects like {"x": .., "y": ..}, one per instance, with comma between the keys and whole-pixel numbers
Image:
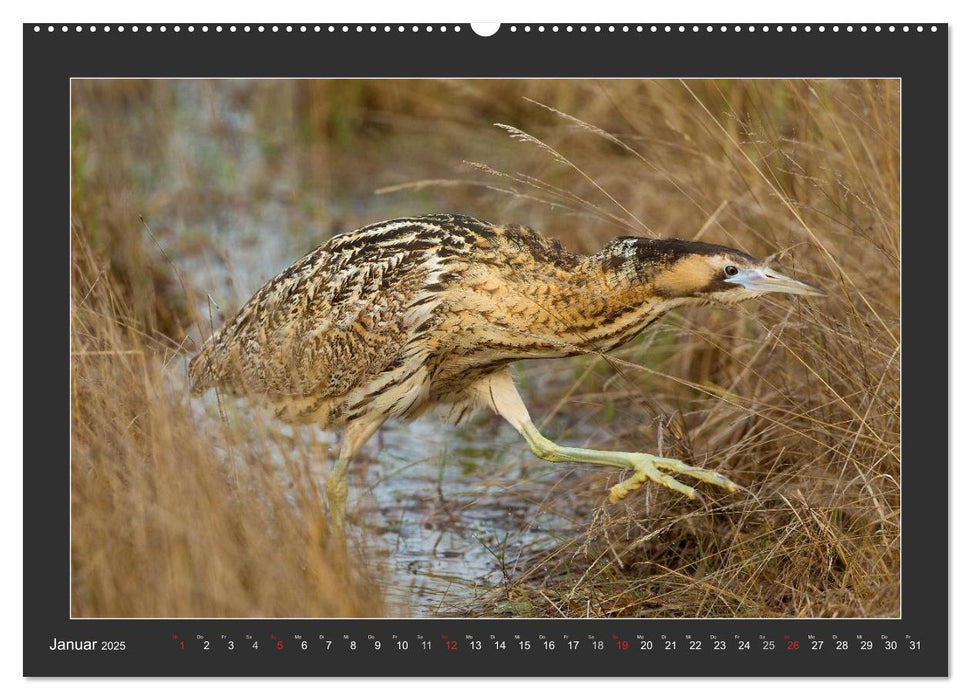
[{"x": 51, "y": 59}]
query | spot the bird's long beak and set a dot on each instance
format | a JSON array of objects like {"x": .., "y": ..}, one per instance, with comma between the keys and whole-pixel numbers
[{"x": 764, "y": 280}]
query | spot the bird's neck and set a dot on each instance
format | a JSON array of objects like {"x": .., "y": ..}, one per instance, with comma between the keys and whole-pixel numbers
[{"x": 618, "y": 304}]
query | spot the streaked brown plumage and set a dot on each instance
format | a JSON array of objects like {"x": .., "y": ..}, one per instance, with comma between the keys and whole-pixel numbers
[{"x": 397, "y": 317}]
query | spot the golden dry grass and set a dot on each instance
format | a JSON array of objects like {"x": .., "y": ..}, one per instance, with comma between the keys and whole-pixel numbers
[
  {"x": 797, "y": 400},
  {"x": 164, "y": 522}
]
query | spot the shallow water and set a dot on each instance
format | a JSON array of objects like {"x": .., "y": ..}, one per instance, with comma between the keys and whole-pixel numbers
[
  {"x": 455, "y": 516},
  {"x": 446, "y": 513}
]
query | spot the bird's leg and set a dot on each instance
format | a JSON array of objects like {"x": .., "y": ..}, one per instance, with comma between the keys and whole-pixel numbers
[
  {"x": 355, "y": 435},
  {"x": 505, "y": 400},
  {"x": 646, "y": 466},
  {"x": 337, "y": 495}
]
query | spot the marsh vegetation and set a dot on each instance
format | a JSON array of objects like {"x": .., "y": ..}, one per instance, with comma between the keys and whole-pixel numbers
[{"x": 188, "y": 195}]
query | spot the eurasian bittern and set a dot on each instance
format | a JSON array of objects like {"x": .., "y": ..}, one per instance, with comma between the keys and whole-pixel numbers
[{"x": 397, "y": 317}]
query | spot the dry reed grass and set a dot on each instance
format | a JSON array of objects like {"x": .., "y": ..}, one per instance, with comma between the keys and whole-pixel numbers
[
  {"x": 797, "y": 400},
  {"x": 165, "y": 520}
]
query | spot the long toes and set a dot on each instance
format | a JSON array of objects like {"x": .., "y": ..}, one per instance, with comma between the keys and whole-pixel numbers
[
  {"x": 648, "y": 467},
  {"x": 675, "y": 485},
  {"x": 619, "y": 491},
  {"x": 713, "y": 478},
  {"x": 645, "y": 471},
  {"x": 706, "y": 475}
]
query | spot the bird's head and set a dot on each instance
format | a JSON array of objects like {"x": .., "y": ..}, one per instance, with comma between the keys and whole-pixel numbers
[{"x": 699, "y": 272}]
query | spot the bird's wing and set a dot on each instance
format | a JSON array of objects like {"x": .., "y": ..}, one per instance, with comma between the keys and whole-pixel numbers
[{"x": 332, "y": 320}]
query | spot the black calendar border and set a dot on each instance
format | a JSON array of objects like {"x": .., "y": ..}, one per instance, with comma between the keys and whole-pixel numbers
[{"x": 919, "y": 58}]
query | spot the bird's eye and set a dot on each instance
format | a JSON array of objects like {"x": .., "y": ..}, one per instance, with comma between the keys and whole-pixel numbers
[{"x": 730, "y": 270}]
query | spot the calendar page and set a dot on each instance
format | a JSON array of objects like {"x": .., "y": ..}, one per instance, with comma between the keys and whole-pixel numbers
[{"x": 523, "y": 350}]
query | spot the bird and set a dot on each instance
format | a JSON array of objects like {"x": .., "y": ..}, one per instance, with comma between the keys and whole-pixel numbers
[{"x": 410, "y": 314}]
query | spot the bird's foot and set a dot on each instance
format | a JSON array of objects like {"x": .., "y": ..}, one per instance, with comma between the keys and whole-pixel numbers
[{"x": 649, "y": 468}]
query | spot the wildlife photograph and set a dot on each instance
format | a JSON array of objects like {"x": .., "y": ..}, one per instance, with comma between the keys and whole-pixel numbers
[{"x": 485, "y": 348}]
